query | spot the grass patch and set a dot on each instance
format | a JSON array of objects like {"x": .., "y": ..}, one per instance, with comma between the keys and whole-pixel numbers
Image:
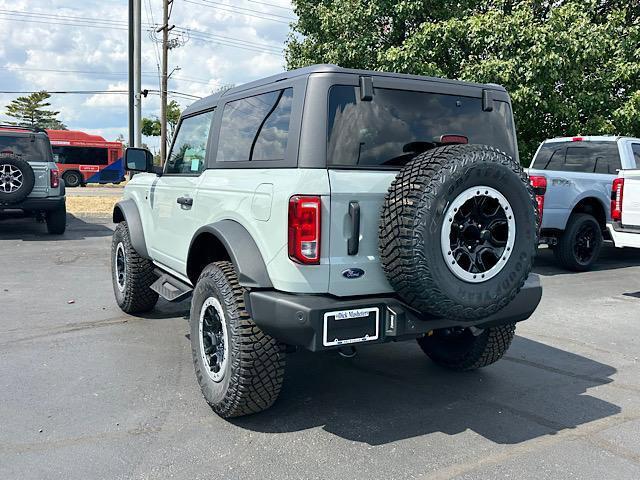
[{"x": 99, "y": 206}]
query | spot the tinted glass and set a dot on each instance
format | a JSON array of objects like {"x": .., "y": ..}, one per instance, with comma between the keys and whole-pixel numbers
[
  {"x": 190, "y": 145},
  {"x": 81, "y": 155},
  {"x": 635, "y": 147},
  {"x": 397, "y": 124},
  {"x": 586, "y": 157},
  {"x": 255, "y": 128},
  {"x": 31, "y": 149}
]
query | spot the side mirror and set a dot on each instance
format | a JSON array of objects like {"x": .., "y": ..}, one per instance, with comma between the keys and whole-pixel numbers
[{"x": 138, "y": 160}]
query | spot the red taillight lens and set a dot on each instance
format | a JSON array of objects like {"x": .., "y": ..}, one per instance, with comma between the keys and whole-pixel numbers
[
  {"x": 576, "y": 139},
  {"x": 54, "y": 177},
  {"x": 539, "y": 184},
  {"x": 304, "y": 229},
  {"x": 617, "y": 189}
]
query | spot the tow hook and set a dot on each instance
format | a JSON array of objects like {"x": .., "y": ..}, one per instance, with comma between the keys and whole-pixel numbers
[{"x": 347, "y": 352}]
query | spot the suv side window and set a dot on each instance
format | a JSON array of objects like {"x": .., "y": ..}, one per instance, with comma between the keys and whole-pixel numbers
[
  {"x": 635, "y": 148},
  {"x": 255, "y": 128},
  {"x": 190, "y": 145}
]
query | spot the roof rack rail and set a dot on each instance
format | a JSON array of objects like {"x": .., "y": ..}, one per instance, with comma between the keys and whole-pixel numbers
[{"x": 22, "y": 127}]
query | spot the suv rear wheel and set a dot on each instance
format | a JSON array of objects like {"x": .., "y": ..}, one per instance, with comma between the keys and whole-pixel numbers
[
  {"x": 458, "y": 232},
  {"x": 579, "y": 245},
  {"x": 57, "y": 220},
  {"x": 240, "y": 369},
  {"x": 467, "y": 349},
  {"x": 131, "y": 274}
]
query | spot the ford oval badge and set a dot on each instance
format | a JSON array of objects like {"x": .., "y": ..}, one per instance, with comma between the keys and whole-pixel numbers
[{"x": 353, "y": 273}]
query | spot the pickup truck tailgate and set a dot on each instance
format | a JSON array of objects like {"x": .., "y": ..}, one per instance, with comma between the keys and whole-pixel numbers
[{"x": 631, "y": 199}]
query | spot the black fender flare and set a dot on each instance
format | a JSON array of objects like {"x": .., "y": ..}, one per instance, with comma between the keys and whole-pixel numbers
[
  {"x": 242, "y": 250},
  {"x": 127, "y": 210}
]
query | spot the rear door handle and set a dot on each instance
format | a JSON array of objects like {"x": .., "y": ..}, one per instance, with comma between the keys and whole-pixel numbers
[
  {"x": 185, "y": 201},
  {"x": 353, "y": 244}
]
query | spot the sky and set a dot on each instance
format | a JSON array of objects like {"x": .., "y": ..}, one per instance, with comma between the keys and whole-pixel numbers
[{"x": 67, "y": 45}]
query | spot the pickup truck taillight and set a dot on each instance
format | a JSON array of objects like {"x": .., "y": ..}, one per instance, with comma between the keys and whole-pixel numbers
[
  {"x": 617, "y": 189},
  {"x": 539, "y": 184},
  {"x": 304, "y": 229},
  {"x": 54, "y": 178}
]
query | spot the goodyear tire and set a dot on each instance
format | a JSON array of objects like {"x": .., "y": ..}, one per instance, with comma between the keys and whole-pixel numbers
[
  {"x": 458, "y": 232},
  {"x": 16, "y": 179},
  {"x": 240, "y": 369},
  {"x": 131, "y": 274},
  {"x": 464, "y": 349}
]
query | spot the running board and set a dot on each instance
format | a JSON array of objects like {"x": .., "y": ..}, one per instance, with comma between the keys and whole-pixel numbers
[{"x": 170, "y": 288}]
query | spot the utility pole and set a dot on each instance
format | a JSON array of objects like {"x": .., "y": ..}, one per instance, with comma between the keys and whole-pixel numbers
[
  {"x": 137, "y": 71},
  {"x": 131, "y": 82},
  {"x": 164, "y": 78}
]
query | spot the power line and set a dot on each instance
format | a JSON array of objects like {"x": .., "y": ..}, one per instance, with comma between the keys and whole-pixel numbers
[
  {"x": 245, "y": 9},
  {"x": 231, "y": 10},
  {"x": 271, "y": 5},
  {"x": 115, "y": 25}
]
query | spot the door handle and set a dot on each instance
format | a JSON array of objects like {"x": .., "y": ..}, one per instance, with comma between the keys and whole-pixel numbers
[
  {"x": 185, "y": 201},
  {"x": 353, "y": 244}
]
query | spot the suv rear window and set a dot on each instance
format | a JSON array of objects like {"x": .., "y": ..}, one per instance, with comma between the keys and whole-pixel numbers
[
  {"x": 397, "y": 124},
  {"x": 584, "y": 157},
  {"x": 29, "y": 148}
]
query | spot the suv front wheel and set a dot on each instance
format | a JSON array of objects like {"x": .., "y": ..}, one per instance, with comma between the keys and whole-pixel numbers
[
  {"x": 132, "y": 275},
  {"x": 240, "y": 369}
]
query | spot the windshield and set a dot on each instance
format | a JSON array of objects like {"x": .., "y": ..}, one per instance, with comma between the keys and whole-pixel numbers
[
  {"x": 29, "y": 148},
  {"x": 398, "y": 124}
]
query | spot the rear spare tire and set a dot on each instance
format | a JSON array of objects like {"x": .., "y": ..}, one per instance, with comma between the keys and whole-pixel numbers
[
  {"x": 458, "y": 231},
  {"x": 16, "y": 179}
]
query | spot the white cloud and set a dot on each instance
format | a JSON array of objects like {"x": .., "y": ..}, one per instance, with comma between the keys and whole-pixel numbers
[{"x": 36, "y": 56}]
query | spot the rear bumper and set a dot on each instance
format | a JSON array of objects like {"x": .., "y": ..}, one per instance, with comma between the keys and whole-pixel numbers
[
  {"x": 40, "y": 204},
  {"x": 298, "y": 319},
  {"x": 624, "y": 236}
]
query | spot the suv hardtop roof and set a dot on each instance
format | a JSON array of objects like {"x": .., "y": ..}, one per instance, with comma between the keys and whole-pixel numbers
[
  {"x": 211, "y": 101},
  {"x": 15, "y": 131},
  {"x": 590, "y": 138}
]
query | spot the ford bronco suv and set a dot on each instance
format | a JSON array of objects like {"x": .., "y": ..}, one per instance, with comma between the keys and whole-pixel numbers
[
  {"x": 324, "y": 208},
  {"x": 29, "y": 178}
]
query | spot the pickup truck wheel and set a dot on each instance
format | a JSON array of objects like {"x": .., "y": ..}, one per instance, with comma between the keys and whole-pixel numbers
[
  {"x": 458, "y": 232},
  {"x": 16, "y": 179},
  {"x": 57, "y": 220},
  {"x": 131, "y": 274},
  {"x": 462, "y": 349},
  {"x": 240, "y": 369},
  {"x": 580, "y": 244}
]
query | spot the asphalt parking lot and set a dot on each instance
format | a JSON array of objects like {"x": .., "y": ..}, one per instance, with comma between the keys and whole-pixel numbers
[{"x": 88, "y": 392}]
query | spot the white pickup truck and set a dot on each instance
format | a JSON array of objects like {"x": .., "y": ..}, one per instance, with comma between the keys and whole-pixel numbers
[{"x": 625, "y": 209}]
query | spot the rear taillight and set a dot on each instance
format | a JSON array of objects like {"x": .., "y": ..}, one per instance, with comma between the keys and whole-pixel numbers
[
  {"x": 54, "y": 178},
  {"x": 617, "y": 189},
  {"x": 304, "y": 229},
  {"x": 539, "y": 184}
]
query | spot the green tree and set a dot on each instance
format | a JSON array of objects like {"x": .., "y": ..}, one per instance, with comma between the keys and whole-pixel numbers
[
  {"x": 30, "y": 111},
  {"x": 570, "y": 66},
  {"x": 151, "y": 126}
]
